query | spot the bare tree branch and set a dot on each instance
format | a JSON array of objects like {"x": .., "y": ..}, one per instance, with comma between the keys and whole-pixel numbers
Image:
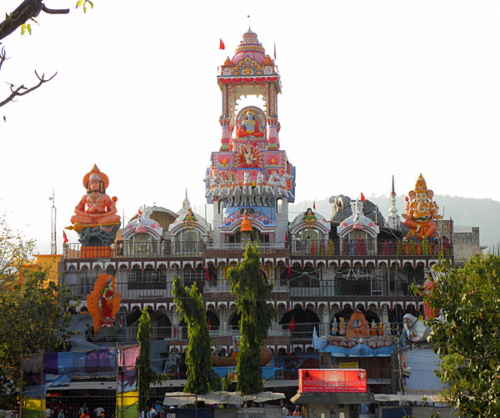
[
  {"x": 54, "y": 11},
  {"x": 27, "y": 10},
  {"x": 22, "y": 90},
  {"x": 3, "y": 57}
]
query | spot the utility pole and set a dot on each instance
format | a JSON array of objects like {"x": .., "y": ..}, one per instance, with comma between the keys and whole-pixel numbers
[{"x": 53, "y": 225}]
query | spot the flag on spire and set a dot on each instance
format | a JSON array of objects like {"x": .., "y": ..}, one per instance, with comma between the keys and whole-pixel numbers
[
  {"x": 221, "y": 45},
  {"x": 207, "y": 275},
  {"x": 65, "y": 237},
  {"x": 275, "y": 50},
  {"x": 292, "y": 325},
  {"x": 362, "y": 197},
  {"x": 314, "y": 205}
]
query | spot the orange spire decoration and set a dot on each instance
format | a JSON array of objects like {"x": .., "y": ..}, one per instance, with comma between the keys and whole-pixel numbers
[{"x": 246, "y": 225}]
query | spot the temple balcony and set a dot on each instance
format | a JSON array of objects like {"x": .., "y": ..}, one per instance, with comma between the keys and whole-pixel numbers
[
  {"x": 351, "y": 287},
  {"x": 332, "y": 249},
  {"x": 236, "y": 250},
  {"x": 123, "y": 249},
  {"x": 364, "y": 247}
]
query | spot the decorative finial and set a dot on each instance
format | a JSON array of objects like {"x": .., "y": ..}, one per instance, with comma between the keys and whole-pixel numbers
[{"x": 246, "y": 225}]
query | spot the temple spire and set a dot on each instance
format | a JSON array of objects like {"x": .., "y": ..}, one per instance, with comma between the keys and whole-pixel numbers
[
  {"x": 186, "y": 204},
  {"x": 393, "y": 219}
]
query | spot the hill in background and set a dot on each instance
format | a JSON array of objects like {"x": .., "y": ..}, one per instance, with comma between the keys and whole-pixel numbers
[{"x": 465, "y": 212}]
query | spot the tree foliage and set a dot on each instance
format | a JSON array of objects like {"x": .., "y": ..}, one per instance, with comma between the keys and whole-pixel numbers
[
  {"x": 468, "y": 340},
  {"x": 32, "y": 322},
  {"x": 249, "y": 285},
  {"x": 15, "y": 252},
  {"x": 200, "y": 375},
  {"x": 146, "y": 375}
]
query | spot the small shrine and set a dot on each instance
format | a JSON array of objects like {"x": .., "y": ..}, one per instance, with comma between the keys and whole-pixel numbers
[
  {"x": 188, "y": 230},
  {"x": 358, "y": 233},
  {"x": 250, "y": 173},
  {"x": 309, "y": 233}
]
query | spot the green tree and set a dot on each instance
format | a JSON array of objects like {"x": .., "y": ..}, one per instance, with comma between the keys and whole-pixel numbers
[
  {"x": 249, "y": 285},
  {"x": 145, "y": 374},
  {"x": 468, "y": 340},
  {"x": 32, "y": 308},
  {"x": 15, "y": 252},
  {"x": 200, "y": 375},
  {"x": 32, "y": 322}
]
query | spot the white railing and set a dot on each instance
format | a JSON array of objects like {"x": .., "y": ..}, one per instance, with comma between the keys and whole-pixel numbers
[
  {"x": 280, "y": 289},
  {"x": 221, "y": 287},
  {"x": 243, "y": 245},
  {"x": 279, "y": 333}
]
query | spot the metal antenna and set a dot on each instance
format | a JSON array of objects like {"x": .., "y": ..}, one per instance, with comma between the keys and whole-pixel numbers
[{"x": 53, "y": 241}]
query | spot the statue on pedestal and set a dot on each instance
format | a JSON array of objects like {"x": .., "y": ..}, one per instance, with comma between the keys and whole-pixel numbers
[
  {"x": 96, "y": 218},
  {"x": 420, "y": 213}
]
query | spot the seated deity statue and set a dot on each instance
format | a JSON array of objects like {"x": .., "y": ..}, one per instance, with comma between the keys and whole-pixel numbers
[
  {"x": 96, "y": 207},
  {"x": 249, "y": 126},
  {"x": 421, "y": 212}
]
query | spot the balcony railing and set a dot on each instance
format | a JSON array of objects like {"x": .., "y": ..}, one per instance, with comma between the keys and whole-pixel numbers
[
  {"x": 353, "y": 287},
  {"x": 323, "y": 248},
  {"x": 123, "y": 249},
  {"x": 360, "y": 247},
  {"x": 243, "y": 245}
]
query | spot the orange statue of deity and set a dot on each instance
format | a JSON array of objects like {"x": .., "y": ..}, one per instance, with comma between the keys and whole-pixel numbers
[
  {"x": 421, "y": 211},
  {"x": 95, "y": 218},
  {"x": 96, "y": 207}
]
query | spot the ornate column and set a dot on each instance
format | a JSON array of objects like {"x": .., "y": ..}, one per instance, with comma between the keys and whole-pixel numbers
[{"x": 224, "y": 122}]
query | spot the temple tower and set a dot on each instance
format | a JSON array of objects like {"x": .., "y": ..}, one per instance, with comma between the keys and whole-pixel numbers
[
  {"x": 393, "y": 219},
  {"x": 250, "y": 173}
]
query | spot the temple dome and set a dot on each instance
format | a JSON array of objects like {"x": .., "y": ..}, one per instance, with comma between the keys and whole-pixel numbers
[{"x": 249, "y": 47}]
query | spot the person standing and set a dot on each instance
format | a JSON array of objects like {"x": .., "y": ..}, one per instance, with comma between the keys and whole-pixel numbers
[
  {"x": 82, "y": 409},
  {"x": 98, "y": 412}
]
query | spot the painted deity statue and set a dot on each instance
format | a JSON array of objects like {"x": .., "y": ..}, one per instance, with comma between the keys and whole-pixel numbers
[
  {"x": 421, "y": 212},
  {"x": 96, "y": 207},
  {"x": 96, "y": 218},
  {"x": 189, "y": 219},
  {"x": 104, "y": 302},
  {"x": 107, "y": 301},
  {"x": 309, "y": 218},
  {"x": 249, "y": 126}
]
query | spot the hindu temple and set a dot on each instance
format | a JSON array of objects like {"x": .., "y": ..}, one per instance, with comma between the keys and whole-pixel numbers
[{"x": 341, "y": 286}]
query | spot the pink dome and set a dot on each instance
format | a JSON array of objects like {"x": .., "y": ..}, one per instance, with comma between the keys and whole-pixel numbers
[{"x": 249, "y": 47}]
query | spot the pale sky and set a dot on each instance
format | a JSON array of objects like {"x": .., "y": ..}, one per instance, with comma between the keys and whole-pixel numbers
[{"x": 370, "y": 89}]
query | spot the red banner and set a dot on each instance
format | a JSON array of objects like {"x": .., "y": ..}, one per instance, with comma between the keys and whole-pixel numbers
[{"x": 332, "y": 380}]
